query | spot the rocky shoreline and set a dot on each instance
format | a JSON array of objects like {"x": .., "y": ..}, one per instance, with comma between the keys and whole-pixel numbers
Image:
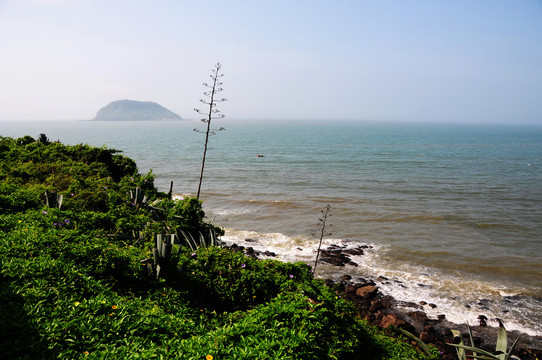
[{"x": 384, "y": 311}]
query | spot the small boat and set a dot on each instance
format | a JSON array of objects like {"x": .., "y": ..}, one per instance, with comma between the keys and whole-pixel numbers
[{"x": 259, "y": 155}]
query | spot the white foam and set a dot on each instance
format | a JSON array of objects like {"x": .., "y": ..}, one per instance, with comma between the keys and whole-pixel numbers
[{"x": 460, "y": 300}]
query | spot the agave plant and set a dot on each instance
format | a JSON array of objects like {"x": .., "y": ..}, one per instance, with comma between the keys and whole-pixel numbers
[
  {"x": 500, "y": 351},
  {"x": 163, "y": 263},
  {"x": 202, "y": 241},
  {"x": 53, "y": 199},
  {"x": 137, "y": 197}
]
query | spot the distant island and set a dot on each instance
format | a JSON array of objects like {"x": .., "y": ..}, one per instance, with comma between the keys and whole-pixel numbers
[{"x": 131, "y": 110}]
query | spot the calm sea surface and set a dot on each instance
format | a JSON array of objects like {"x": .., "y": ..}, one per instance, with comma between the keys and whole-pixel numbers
[{"x": 453, "y": 212}]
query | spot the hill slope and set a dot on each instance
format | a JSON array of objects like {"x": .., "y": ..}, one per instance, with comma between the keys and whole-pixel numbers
[{"x": 130, "y": 110}]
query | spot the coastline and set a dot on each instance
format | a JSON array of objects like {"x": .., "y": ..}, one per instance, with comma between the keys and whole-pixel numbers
[{"x": 384, "y": 310}]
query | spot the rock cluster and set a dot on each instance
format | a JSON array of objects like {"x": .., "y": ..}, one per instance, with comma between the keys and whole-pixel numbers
[{"x": 385, "y": 311}]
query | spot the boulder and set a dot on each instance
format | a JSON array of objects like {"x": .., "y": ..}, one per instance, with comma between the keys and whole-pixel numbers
[{"x": 367, "y": 292}]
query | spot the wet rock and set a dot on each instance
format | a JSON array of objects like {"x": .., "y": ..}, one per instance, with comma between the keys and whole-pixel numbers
[
  {"x": 356, "y": 251},
  {"x": 441, "y": 317},
  {"x": 346, "y": 278},
  {"x": 418, "y": 316},
  {"x": 408, "y": 304},
  {"x": 432, "y": 306},
  {"x": 339, "y": 256},
  {"x": 336, "y": 258}
]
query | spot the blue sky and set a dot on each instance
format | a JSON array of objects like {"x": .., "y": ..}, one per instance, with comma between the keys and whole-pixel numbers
[{"x": 461, "y": 60}]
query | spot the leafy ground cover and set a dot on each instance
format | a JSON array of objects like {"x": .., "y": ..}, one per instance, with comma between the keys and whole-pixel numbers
[{"x": 73, "y": 284}]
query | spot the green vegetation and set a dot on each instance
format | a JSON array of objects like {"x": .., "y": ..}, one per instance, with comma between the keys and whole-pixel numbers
[
  {"x": 500, "y": 348},
  {"x": 79, "y": 280}
]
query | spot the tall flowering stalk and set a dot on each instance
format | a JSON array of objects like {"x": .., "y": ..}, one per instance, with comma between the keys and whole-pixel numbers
[
  {"x": 325, "y": 214},
  {"x": 211, "y": 113}
]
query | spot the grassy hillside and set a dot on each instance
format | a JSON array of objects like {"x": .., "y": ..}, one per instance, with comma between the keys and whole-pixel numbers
[{"x": 78, "y": 275}]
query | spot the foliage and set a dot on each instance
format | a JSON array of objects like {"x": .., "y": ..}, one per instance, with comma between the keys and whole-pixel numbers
[
  {"x": 72, "y": 284},
  {"x": 500, "y": 349}
]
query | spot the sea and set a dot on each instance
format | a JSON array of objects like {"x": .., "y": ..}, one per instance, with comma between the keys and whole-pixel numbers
[{"x": 450, "y": 214}]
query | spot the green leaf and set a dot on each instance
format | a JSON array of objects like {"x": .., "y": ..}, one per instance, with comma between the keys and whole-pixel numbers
[
  {"x": 502, "y": 341},
  {"x": 485, "y": 354},
  {"x": 474, "y": 354}
]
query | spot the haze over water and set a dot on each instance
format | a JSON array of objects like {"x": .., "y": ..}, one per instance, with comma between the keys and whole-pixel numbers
[{"x": 452, "y": 212}]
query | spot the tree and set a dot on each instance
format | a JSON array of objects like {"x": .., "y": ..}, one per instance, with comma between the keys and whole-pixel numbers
[{"x": 211, "y": 114}]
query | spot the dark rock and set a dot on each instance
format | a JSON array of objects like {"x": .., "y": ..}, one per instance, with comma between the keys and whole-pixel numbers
[
  {"x": 337, "y": 256},
  {"x": 376, "y": 305},
  {"x": 349, "y": 289},
  {"x": 418, "y": 316},
  {"x": 427, "y": 338},
  {"x": 432, "y": 306},
  {"x": 441, "y": 317},
  {"x": 346, "y": 277},
  {"x": 408, "y": 304},
  {"x": 356, "y": 251}
]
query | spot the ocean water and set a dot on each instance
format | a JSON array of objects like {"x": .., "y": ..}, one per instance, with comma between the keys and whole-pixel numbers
[{"x": 452, "y": 213}]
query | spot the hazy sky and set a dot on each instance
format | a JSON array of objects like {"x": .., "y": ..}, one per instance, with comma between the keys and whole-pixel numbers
[{"x": 455, "y": 60}]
